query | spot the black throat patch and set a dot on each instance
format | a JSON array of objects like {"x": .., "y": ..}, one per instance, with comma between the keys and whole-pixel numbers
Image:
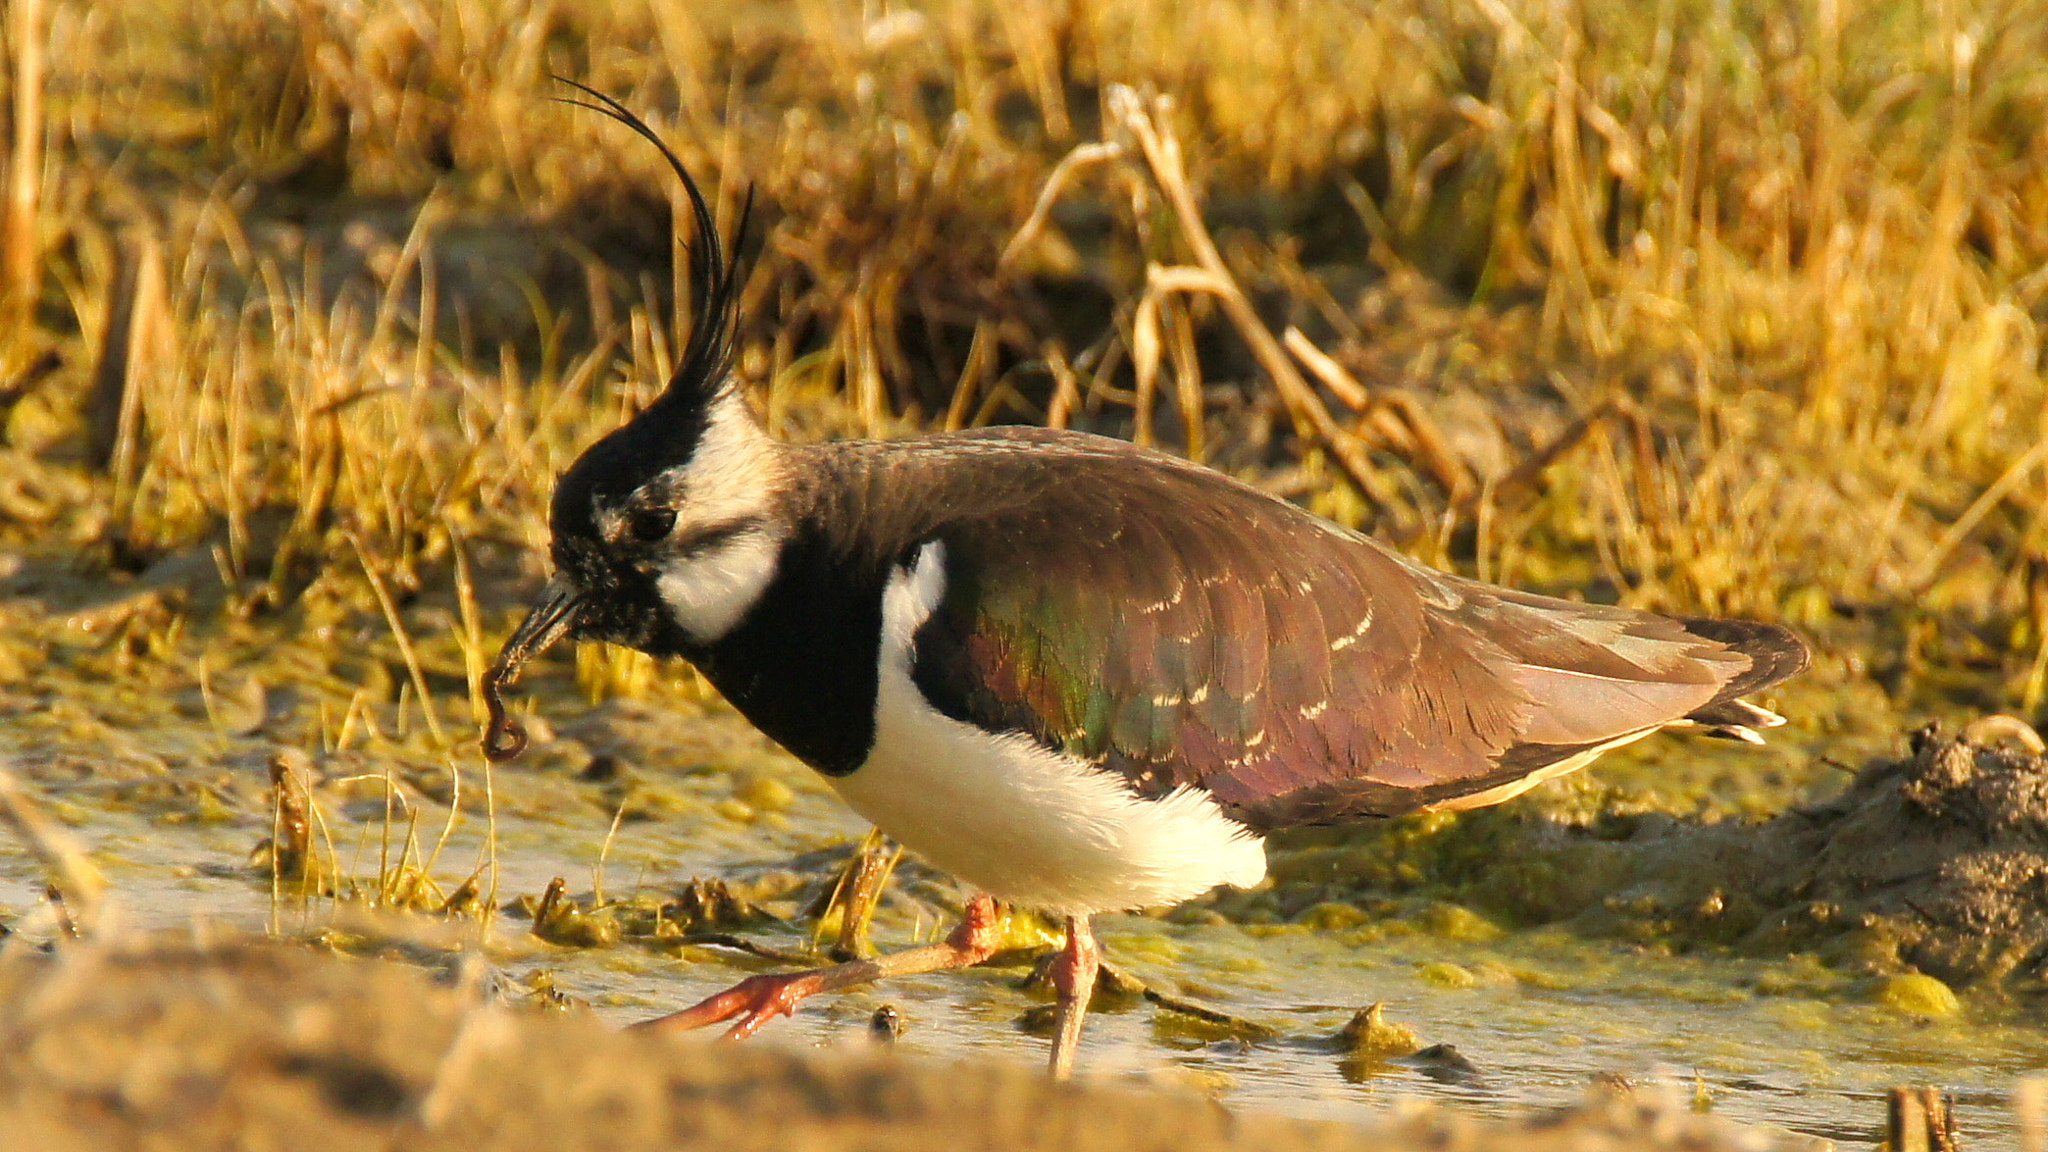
[{"x": 801, "y": 665}]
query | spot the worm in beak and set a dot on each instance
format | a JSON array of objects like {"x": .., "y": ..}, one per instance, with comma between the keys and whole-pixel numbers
[{"x": 551, "y": 619}]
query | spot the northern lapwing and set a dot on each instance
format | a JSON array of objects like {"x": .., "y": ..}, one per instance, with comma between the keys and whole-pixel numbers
[{"x": 1079, "y": 675}]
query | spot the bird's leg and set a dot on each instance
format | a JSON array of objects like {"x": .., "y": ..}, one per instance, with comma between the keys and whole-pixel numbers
[
  {"x": 1073, "y": 976},
  {"x": 759, "y": 999}
]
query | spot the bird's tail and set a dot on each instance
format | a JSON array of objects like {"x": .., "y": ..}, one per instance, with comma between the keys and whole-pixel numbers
[{"x": 1774, "y": 653}]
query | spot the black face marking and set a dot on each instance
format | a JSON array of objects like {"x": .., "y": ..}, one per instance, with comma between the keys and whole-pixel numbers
[
  {"x": 620, "y": 600},
  {"x": 662, "y": 437},
  {"x": 700, "y": 541}
]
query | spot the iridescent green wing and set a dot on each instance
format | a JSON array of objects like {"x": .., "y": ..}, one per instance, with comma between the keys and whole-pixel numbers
[{"x": 1181, "y": 629}]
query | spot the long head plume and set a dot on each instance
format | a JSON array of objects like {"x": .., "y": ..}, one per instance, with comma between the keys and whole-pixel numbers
[
  {"x": 662, "y": 435},
  {"x": 714, "y": 277}
]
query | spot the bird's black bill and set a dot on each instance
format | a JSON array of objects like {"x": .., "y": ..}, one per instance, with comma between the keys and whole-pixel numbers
[{"x": 549, "y": 621}]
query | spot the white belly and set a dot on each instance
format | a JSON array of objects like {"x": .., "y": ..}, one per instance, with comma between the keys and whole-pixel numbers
[{"x": 1024, "y": 824}]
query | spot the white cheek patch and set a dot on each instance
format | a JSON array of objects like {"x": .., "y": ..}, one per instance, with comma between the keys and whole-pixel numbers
[
  {"x": 710, "y": 593},
  {"x": 734, "y": 467},
  {"x": 731, "y": 476}
]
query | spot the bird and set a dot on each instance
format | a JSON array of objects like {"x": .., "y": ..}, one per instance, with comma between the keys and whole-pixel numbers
[{"x": 1079, "y": 675}]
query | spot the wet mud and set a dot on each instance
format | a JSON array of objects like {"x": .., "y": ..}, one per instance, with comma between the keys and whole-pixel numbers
[
  {"x": 176, "y": 1046},
  {"x": 276, "y": 774},
  {"x": 1931, "y": 863}
]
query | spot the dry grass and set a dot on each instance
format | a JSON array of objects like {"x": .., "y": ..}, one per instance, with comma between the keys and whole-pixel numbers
[{"x": 1716, "y": 311}]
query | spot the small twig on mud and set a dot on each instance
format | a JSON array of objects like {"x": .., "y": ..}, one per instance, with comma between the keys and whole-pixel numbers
[
  {"x": 1985, "y": 731},
  {"x": 1919, "y": 1119},
  {"x": 1917, "y": 910},
  {"x": 74, "y": 883},
  {"x": 742, "y": 944},
  {"x": 1248, "y": 1029}
]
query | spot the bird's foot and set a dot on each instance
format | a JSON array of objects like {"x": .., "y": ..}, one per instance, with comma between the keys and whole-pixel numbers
[
  {"x": 755, "y": 1001},
  {"x": 758, "y": 999}
]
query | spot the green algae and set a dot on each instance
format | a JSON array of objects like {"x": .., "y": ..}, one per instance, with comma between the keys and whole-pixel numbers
[
  {"x": 1917, "y": 994},
  {"x": 1370, "y": 1035},
  {"x": 1544, "y": 940},
  {"x": 1445, "y": 974}
]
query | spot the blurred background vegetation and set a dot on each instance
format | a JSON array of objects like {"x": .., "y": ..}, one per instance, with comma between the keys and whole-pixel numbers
[{"x": 1693, "y": 305}]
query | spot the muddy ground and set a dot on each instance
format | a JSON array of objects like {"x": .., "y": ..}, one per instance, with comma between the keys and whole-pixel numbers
[
  {"x": 1924, "y": 867},
  {"x": 177, "y": 1045},
  {"x": 1795, "y": 933},
  {"x": 1929, "y": 862}
]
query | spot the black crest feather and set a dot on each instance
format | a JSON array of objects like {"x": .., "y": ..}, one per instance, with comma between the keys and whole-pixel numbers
[{"x": 714, "y": 277}]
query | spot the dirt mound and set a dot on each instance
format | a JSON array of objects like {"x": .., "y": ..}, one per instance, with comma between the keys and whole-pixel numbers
[
  {"x": 255, "y": 1045},
  {"x": 1935, "y": 861},
  {"x": 1938, "y": 861}
]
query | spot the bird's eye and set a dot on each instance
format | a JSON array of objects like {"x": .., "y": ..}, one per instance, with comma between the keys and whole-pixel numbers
[{"x": 650, "y": 524}]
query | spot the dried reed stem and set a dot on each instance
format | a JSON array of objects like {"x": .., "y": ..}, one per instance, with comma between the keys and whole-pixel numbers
[
  {"x": 1312, "y": 420},
  {"x": 414, "y": 669},
  {"x": 19, "y": 271}
]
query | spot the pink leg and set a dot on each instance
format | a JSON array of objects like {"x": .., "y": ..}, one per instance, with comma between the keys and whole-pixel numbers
[
  {"x": 759, "y": 999},
  {"x": 1073, "y": 976}
]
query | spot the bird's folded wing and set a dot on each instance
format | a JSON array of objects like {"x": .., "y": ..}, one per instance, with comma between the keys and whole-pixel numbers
[{"x": 1181, "y": 629}]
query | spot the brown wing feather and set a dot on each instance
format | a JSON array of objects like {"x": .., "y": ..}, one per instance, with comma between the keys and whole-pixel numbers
[{"x": 1183, "y": 629}]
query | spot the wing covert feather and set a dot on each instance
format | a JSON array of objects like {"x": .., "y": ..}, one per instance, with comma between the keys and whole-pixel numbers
[{"x": 1182, "y": 629}]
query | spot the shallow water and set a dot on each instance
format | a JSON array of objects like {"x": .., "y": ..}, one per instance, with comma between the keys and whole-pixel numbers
[
  {"x": 158, "y": 763},
  {"x": 1538, "y": 1013}
]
